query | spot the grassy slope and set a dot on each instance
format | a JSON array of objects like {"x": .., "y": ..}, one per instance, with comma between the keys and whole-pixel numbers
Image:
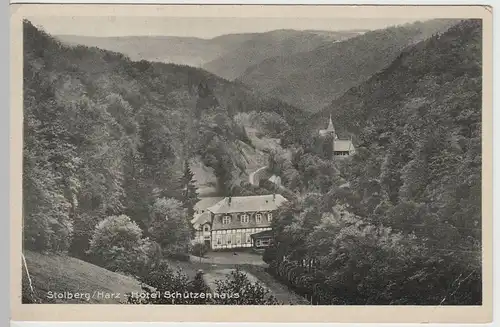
[{"x": 59, "y": 273}]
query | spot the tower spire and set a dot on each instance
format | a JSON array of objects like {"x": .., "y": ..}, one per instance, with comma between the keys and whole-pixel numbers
[{"x": 330, "y": 124}]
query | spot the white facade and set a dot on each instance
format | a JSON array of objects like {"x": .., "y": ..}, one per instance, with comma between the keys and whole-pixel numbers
[
  {"x": 230, "y": 223},
  {"x": 234, "y": 238},
  {"x": 203, "y": 234}
]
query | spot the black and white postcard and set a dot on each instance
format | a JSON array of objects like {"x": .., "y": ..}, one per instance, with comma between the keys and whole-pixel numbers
[{"x": 251, "y": 163}]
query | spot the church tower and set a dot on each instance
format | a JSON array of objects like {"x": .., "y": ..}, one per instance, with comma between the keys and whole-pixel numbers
[
  {"x": 341, "y": 147},
  {"x": 330, "y": 130}
]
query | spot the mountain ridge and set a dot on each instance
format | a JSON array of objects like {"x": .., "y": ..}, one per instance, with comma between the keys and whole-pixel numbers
[
  {"x": 192, "y": 51},
  {"x": 267, "y": 45},
  {"x": 311, "y": 80}
]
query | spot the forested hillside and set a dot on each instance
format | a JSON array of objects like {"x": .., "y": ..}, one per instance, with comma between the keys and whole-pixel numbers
[
  {"x": 257, "y": 47},
  {"x": 312, "y": 79},
  {"x": 105, "y": 136},
  {"x": 226, "y": 55},
  {"x": 400, "y": 221},
  {"x": 190, "y": 51}
]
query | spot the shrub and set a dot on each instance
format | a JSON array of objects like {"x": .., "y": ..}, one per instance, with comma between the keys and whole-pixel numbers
[
  {"x": 162, "y": 285},
  {"x": 240, "y": 290},
  {"x": 177, "y": 256},
  {"x": 199, "y": 249},
  {"x": 117, "y": 245}
]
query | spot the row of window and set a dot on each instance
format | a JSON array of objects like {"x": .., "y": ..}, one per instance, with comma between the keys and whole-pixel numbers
[
  {"x": 245, "y": 219},
  {"x": 235, "y": 239},
  {"x": 263, "y": 242}
]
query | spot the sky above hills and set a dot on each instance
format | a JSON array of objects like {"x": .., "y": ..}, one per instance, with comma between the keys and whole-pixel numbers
[{"x": 198, "y": 26}]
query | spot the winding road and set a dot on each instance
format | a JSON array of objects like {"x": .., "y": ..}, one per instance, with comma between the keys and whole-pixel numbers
[{"x": 251, "y": 176}]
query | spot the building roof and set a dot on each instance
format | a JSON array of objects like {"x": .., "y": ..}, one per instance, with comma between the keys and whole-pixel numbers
[
  {"x": 253, "y": 203},
  {"x": 199, "y": 220},
  {"x": 325, "y": 132},
  {"x": 275, "y": 179},
  {"x": 343, "y": 145},
  {"x": 329, "y": 130},
  {"x": 205, "y": 203},
  {"x": 266, "y": 233}
]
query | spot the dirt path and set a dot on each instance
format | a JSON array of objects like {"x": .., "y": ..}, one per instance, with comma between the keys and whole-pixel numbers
[{"x": 228, "y": 258}]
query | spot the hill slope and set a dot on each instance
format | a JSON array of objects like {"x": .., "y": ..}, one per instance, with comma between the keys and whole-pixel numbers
[
  {"x": 213, "y": 53},
  {"x": 418, "y": 123},
  {"x": 409, "y": 223},
  {"x": 57, "y": 273},
  {"x": 168, "y": 49},
  {"x": 311, "y": 80},
  {"x": 190, "y": 92},
  {"x": 261, "y": 46},
  {"x": 104, "y": 135}
]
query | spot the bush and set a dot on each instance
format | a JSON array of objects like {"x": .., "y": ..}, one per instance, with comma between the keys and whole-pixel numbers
[
  {"x": 240, "y": 290},
  {"x": 177, "y": 256},
  {"x": 117, "y": 245},
  {"x": 162, "y": 285},
  {"x": 199, "y": 249},
  {"x": 269, "y": 254}
]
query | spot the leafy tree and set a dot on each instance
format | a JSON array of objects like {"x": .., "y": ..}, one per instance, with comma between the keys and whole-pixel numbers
[
  {"x": 48, "y": 173},
  {"x": 163, "y": 285},
  {"x": 117, "y": 245},
  {"x": 199, "y": 249},
  {"x": 189, "y": 194},
  {"x": 169, "y": 226}
]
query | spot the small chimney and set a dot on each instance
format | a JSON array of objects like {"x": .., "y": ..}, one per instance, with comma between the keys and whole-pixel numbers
[
  {"x": 274, "y": 196},
  {"x": 229, "y": 200}
]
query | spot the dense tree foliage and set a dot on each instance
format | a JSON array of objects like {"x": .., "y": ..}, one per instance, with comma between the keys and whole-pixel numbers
[
  {"x": 117, "y": 244},
  {"x": 312, "y": 79},
  {"x": 163, "y": 285},
  {"x": 106, "y": 136},
  {"x": 189, "y": 194},
  {"x": 169, "y": 226},
  {"x": 400, "y": 223},
  {"x": 199, "y": 249},
  {"x": 249, "y": 293}
]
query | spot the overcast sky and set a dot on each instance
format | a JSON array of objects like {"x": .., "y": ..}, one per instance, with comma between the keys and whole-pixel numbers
[{"x": 197, "y": 26}]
